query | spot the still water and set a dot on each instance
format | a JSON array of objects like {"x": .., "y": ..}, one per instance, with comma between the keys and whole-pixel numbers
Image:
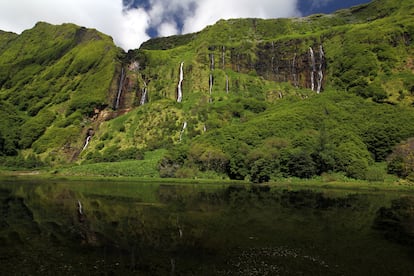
[{"x": 119, "y": 228}]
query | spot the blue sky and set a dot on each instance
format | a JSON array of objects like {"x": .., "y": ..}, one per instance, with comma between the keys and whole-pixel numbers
[
  {"x": 131, "y": 22},
  {"x": 308, "y": 7}
]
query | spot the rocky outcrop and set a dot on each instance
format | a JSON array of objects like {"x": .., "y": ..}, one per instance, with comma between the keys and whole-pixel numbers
[{"x": 280, "y": 61}]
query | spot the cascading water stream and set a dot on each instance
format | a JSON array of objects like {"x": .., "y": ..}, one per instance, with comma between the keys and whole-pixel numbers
[
  {"x": 210, "y": 83},
  {"x": 227, "y": 84},
  {"x": 320, "y": 71},
  {"x": 144, "y": 94},
  {"x": 86, "y": 142},
  {"x": 211, "y": 61},
  {"x": 180, "y": 82},
  {"x": 295, "y": 82},
  {"x": 182, "y": 130},
  {"x": 223, "y": 55},
  {"x": 313, "y": 68},
  {"x": 121, "y": 81}
]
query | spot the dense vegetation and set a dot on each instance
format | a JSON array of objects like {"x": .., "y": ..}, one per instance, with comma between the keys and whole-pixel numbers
[
  {"x": 250, "y": 107},
  {"x": 51, "y": 79}
]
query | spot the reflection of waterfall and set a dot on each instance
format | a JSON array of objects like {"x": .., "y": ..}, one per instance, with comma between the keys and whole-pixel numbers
[
  {"x": 182, "y": 130},
  {"x": 320, "y": 71},
  {"x": 172, "y": 261},
  {"x": 87, "y": 142},
  {"x": 121, "y": 81},
  {"x": 144, "y": 94},
  {"x": 180, "y": 230},
  {"x": 313, "y": 68},
  {"x": 180, "y": 82}
]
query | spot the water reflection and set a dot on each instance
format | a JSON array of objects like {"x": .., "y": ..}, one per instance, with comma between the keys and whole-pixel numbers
[{"x": 70, "y": 228}]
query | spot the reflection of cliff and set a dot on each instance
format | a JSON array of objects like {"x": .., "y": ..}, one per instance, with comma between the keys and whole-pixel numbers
[
  {"x": 77, "y": 228},
  {"x": 397, "y": 222}
]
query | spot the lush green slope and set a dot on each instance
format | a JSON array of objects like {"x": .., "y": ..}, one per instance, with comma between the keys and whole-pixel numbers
[
  {"x": 52, "y": 78},
  {"x": 250, "y": 109}
]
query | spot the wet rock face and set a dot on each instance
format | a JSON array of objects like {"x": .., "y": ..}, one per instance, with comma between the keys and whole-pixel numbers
[{"x": 280, "y": 61}]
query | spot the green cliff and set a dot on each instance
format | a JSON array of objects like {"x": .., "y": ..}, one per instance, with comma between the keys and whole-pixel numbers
[{"x": 244, "y": 98}]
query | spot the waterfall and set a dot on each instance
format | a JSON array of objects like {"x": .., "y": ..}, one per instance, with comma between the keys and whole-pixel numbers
[
  {"x": 182, "y": 130},
  {"x": 86, "y": 142},
  {"x": 121, "y": 81},
  {"x": 223, "y": 55},
  {"x": 144, "y": 94},
  {"x": 320, "y": 71},
  {"x": 272, "y": 65},
  {"x": 227, "y": 84},
  {"x": 211, "y": 61},
  {"x": 210, "y": 83},
  {"x": 313, "y": 70},
  {"x": 295, "y": 82},
  {"x": 180, "y": 82}
]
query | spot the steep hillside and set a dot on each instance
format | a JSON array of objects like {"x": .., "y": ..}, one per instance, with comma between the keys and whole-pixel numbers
[
  {"x": 244, "y": 98},
  {"x": 52, "y": 79}
]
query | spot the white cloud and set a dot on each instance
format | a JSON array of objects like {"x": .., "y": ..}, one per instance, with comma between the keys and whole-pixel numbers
[
  {"x": 129, "y": 27},
  {"x": 210, "y": 11},
  {"x": 167, "y": 29}
]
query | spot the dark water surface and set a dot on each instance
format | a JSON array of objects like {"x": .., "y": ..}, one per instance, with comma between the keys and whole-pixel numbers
[{"x": 110, "y": 228}]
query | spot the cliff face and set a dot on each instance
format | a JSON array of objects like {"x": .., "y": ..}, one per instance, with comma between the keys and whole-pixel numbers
[
  {"x": 350, "y": 50},
  {"x": 69, "y": 94}
]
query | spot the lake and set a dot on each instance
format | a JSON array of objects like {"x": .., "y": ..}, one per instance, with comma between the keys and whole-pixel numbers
[{"x": 121, "y": 228}]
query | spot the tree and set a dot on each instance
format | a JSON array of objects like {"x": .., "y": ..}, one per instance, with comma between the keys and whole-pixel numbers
[{"x": 401, "y": 161}]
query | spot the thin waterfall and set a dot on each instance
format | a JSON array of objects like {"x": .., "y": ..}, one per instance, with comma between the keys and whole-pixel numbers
[
  {"x": 272, "y": 65},
  {"x": 223, "y": 55},
  {"x": 144, "y": 94},
  {"x": 180, "y": 82},
  {"x": 121, "y": 81},
  {"x": 313, "y": 68},
  {"x": 182, "y": 130},
  {"x": 320, "y": 71},
  {"x": 210, "y": 83},
  {"x": 227, "y": 84},
  {"x": 211, "y": 61},
  {"x": 87, "y": 142},
  {"x": 295, "y": 82}
]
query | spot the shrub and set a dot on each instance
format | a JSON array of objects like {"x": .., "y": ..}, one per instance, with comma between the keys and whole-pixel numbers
[{"x": 401, "y": 161}]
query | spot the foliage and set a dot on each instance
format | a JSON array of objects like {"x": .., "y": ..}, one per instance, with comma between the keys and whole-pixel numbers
[
  {"x": 248, "y": 111},
  {"x": 49, "y": 72},
  {"x": 401, "y": 161}
]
